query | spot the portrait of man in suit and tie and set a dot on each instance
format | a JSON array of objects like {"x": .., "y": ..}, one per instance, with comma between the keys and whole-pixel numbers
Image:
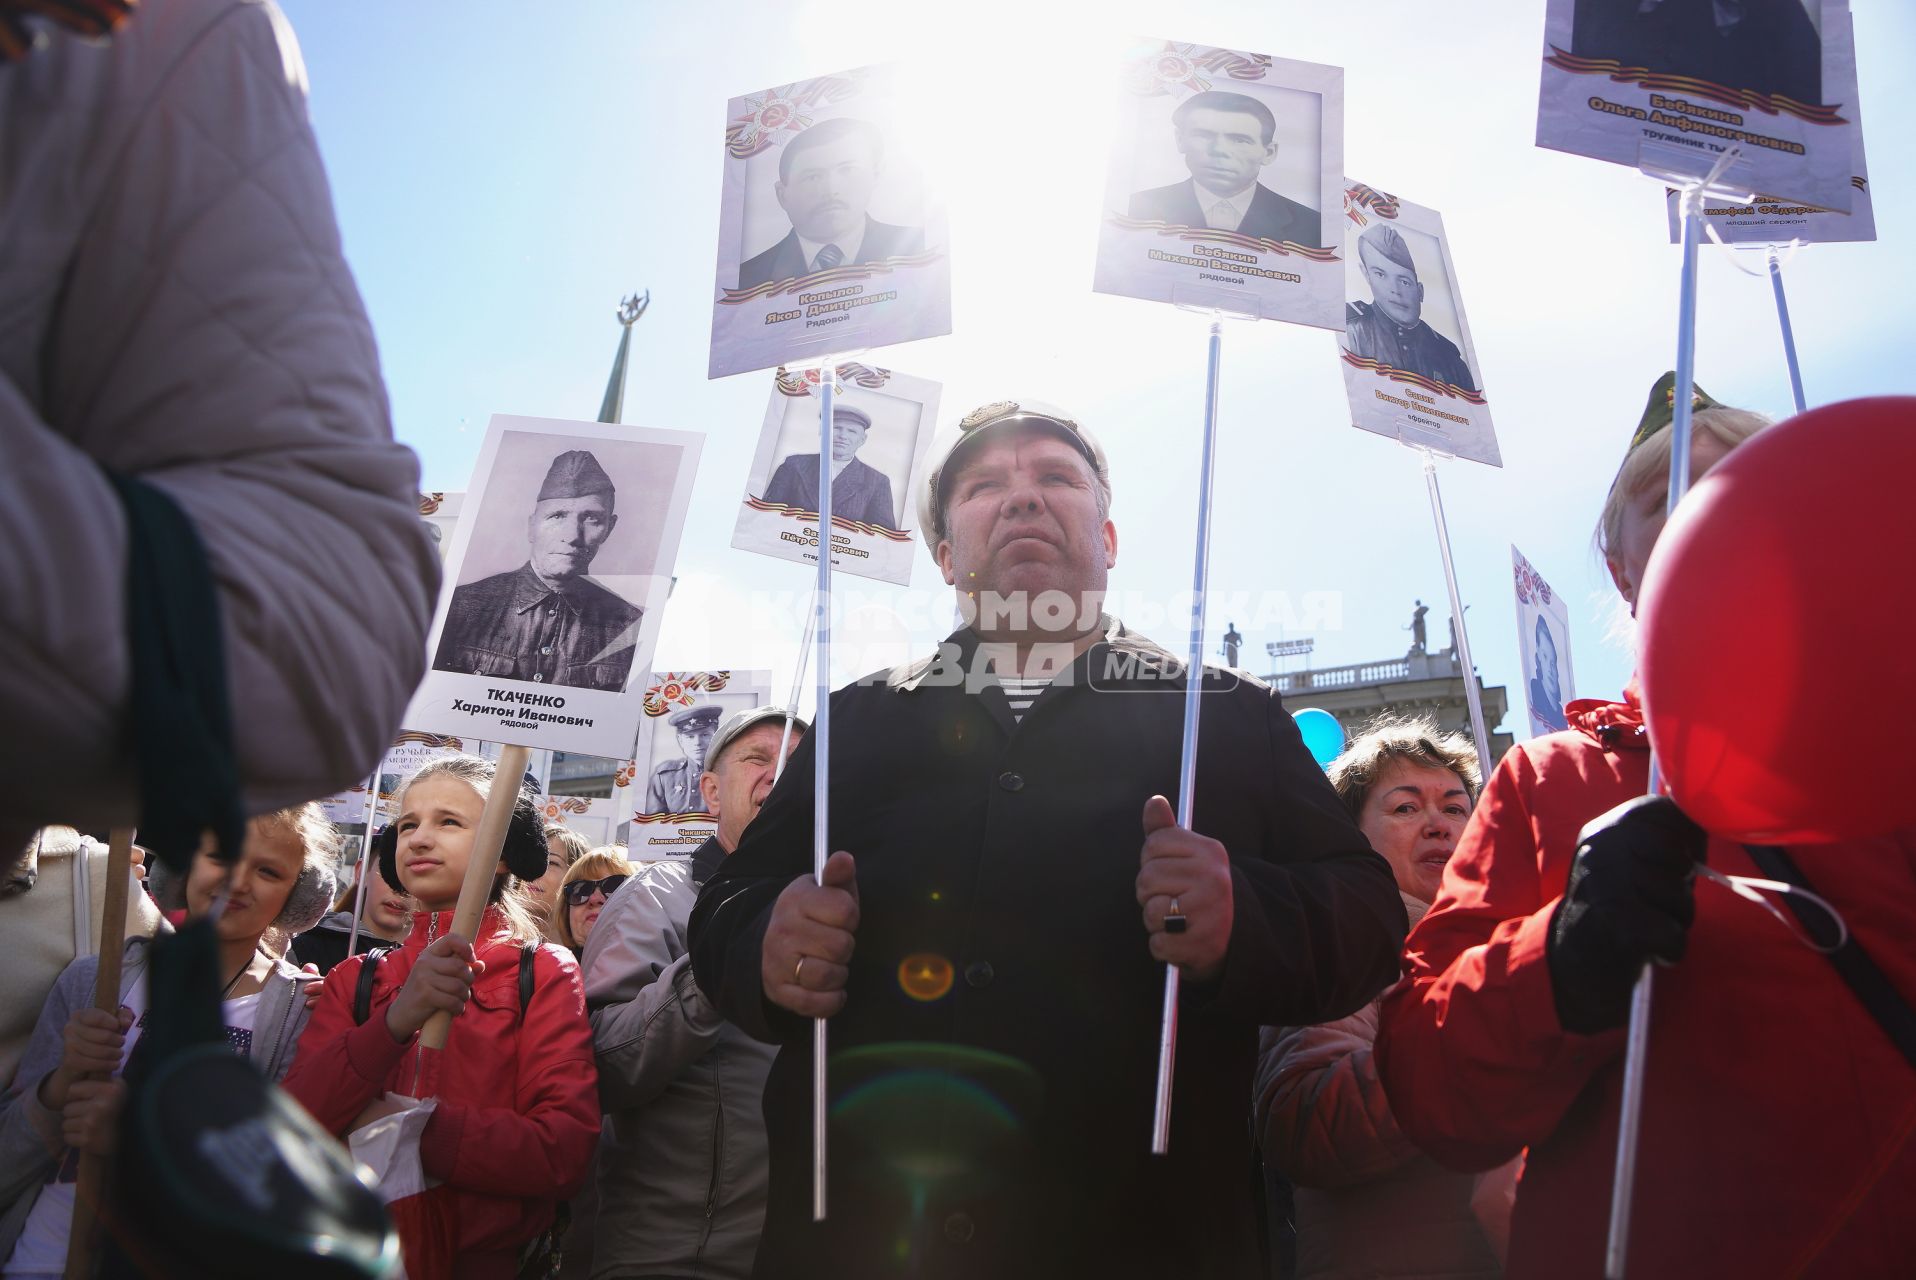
[
  {"x": 827, "y": 175},
  {"x": 859, "y": 492},
  {"x": 1226, "y": 140}
]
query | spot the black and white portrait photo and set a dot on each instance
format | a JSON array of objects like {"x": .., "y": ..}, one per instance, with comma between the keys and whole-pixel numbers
[
  {"x": 1227, "y": 140},
  {"x": 880, "y": 428},
  {"x": 827, "y": 175},
  {"x": 547, "y": 620},
  {"x": 1223, "y": 186},
  {"x": 832, "y": 236},
  {"x": 1409, "y": 367},
  {"x": 1392, "y": 328},
  {"x": 859, "y": 491},
  {"x": 555, "y": 577}
]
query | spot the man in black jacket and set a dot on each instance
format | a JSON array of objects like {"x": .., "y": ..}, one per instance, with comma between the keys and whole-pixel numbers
[{"x": 1012, "y": 875}]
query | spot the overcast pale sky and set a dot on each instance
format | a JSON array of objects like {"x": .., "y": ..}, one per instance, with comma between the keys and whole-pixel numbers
[{"x": 504, "y": 172}]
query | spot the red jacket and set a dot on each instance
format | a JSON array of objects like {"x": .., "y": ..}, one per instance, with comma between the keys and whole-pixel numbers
[
  {"x": 1778, "y": 1116},
  {"x": 518, "y": 1116}
]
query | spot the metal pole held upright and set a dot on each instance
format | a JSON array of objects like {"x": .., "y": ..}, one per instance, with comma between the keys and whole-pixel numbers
[
  {"x": 1473, "y": 697},
  {"x": 822, "y": 739},
  {"x": 1789, "y": 333},
  {"x": 1637, "y": 1047},
  {"x": 1187, "y": 759}
]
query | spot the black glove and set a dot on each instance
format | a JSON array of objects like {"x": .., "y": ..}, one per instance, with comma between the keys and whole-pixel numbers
[{"x": 1629, "y": 901}]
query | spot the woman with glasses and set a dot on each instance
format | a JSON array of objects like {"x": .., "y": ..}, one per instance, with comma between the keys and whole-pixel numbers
[{"x": 588, "y": 883}]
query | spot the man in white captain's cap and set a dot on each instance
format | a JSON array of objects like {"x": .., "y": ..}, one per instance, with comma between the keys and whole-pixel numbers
[{"x": 546, "y": 621}]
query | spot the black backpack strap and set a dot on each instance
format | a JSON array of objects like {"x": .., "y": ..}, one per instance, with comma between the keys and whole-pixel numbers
[
  {"x": 363, "y": 988},
  {"x": 526, "y": 977},
  {"x": 1853, "y": 964}
]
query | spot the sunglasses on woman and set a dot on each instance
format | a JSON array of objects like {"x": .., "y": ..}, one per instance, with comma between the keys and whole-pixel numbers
[{"x": 579, "y": 892}]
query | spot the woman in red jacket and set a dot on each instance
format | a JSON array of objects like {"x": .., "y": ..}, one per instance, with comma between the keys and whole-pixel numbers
[
  {"x": 1777, "y": 1118},
  {"x": 516, "y": 1112}
]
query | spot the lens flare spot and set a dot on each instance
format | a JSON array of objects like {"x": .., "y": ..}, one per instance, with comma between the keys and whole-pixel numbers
[
  {"x": 937, "y": 896},
  {"x": 925, "y": 976}
]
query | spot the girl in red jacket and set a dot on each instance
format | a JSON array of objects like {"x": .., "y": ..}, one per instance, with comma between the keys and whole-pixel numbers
[{"x": 516, "y": 1112}]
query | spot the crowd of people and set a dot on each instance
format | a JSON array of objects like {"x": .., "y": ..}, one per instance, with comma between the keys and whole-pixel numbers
[
  {"x": 626, "y": 1087},
  {"x": 1402, "y": 984}
]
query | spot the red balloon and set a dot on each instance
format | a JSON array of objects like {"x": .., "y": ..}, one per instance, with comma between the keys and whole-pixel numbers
[{"x": 1779, "y": 632}]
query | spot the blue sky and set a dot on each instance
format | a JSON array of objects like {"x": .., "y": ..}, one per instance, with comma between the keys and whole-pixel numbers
[{"x": 504, "y": 172}]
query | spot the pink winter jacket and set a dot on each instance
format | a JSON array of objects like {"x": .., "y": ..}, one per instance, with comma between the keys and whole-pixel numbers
[
  {"x": 1368, "y": 1203},
  {"x": 174, "y": 305}
]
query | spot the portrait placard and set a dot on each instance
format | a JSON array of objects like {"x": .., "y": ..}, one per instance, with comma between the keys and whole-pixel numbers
[
  {"x": 1410, "y": 369},
  {"x": 831, "y": 235},
  {"x": 682, "y": 711},
  {"x": 1769, "y": 220},
  {"x": 555, "y": 584},
  {"x": 882, "y": 423},
  {"x": 346, "y": 810},
  {"x": 1776, "y": 78},
  {"x": 1224, "y": 184},
  {"x": 1543, "y": 637}
]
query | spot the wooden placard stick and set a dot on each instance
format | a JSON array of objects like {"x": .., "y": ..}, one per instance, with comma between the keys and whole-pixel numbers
[
  {"x": 83, "y": 1234},
  {"x": 482, "y": 867}
]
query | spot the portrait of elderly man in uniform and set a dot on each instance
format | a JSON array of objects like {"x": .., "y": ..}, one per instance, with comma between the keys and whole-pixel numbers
[
  {"x": 1390, "y": 329},
  {"x": 674, "y": 785},
  {"x": 1226, "y": 140},
  {"x": 826, "y": 177},
  {"x": 1008, "y": 881},
  {"x": 859, "y": 492},
  {"x": 546, "y": 621}
]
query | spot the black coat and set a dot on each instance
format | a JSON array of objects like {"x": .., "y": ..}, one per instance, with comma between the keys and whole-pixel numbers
[{"x": 1000, "y": 1128}]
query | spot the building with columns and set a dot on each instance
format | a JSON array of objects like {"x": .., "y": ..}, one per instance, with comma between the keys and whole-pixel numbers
[{"x": 1417, "y": 683}]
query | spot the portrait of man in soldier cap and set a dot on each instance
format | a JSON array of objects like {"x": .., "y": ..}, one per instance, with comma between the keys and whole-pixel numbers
[
  {"x": 1391, "y": 328},
  {"x": 859, "y": 491},
  {"x": 546, "y": 621},
  {"x": 674, "y": 784}
]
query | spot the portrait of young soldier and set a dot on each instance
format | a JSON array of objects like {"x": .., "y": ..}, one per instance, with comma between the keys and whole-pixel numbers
[
  {"x": 546, "y": 621},
  {"x": 1226, "y": 140},
  {"x": 1391, "y": 328},
  {"x": 827, "y": 175},
  {"x": 674, "y": 785}
]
